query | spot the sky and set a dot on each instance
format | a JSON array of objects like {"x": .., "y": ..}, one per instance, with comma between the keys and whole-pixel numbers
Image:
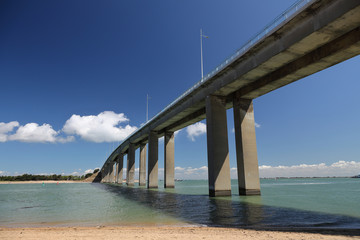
[{"x": 74, "y": 79}]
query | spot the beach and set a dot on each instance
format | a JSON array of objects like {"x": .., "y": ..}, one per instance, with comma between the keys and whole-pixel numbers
[{"x": 163, "y": 233}]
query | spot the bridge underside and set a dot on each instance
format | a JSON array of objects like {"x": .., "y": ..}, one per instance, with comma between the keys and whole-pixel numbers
[{"x": 323, "y": 34}]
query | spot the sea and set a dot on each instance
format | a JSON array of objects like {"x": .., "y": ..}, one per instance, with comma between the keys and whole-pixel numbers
[{"x": 311, "y": 203}]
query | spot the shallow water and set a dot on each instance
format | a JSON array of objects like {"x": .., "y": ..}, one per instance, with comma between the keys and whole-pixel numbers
[{"x": 295, "y": 203}]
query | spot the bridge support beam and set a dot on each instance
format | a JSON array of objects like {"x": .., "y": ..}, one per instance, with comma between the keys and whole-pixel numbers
[
  {"x": 217, "y": 147},
  {"x": 119, "y": 168},
  {"x": 142, "y": 165},
  {"x": 131, "y": 166},
  {"x": 246, "y": 153},
  {"x": 153, "y": 160},
  {"x": 169, "y": 171}
]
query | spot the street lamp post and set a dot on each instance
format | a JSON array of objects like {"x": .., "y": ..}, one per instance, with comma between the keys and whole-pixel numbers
[
  {"x": 147, "y": 107},
  {"x": 201, "y": 51}
]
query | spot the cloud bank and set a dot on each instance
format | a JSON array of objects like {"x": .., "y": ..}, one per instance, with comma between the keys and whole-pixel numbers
[
  {"x": 105, "y": 127},
  {"x": 338, "y": 169},
  {"x": 32, "y": 132}
]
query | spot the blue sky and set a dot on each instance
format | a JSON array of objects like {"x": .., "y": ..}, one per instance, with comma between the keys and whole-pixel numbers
[{"x": 74, "y": 77}]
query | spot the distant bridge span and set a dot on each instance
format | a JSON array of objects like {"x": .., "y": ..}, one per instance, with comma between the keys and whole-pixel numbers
[{"x": 310, "y": 36}]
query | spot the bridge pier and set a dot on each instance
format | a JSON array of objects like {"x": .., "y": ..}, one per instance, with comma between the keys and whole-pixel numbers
[
  {"x": 131, "y": 165},
  {"x": 153, "y": 160},
  {"x": 169, "y": 167},
  {"x": 119, "y": 168},
  {"x": 111, "y": 173},
  {"x": 106, "y": 176},
  {"x": 102, "y": 174},
  {"x": 246, "y": 152},
  {"x": 142, "y": 165},
  {"x": 107, "y": 173},
  {"x": 217, "y": 147}
]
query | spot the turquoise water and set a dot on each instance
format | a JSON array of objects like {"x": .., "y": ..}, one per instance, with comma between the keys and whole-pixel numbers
[{"x": 295, "y": 203}]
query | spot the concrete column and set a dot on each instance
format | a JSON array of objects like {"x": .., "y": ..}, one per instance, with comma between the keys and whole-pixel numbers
[
  {"x": 153, "y": 160},
  {"x": 119, "y": 168},
  {"x": 169, "y": 170},
  {"x": 127, "y": 166},
  {"x": 246, "y": 153},
  {"x": 103, "y": 174},
  {"x": 113, "y": 180},
  {"x": 107, "y": 172},
  {"x": 142, "y": 165},
  {"x": 217, "y": 147},
  {"x": 131, "y": 165},
  {"x": 111, "y": 173},
  {"x": 116, "y": 171}
]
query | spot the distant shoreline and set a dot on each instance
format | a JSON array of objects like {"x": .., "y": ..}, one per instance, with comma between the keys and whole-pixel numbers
[
  {"x": 136, "y": 181},
  {"x": 41, "y": 181},
  {"x": 304, "y": 177}
]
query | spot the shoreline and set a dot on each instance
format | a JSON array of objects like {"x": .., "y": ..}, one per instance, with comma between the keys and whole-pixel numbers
[{"x": 169, "y": 232}]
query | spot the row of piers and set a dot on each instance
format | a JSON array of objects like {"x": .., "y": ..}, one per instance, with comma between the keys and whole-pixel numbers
[{"x": 218, "y": 153}]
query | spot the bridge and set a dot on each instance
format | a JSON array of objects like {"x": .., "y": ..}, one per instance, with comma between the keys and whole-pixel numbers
[{"x": 310, "y": 36}]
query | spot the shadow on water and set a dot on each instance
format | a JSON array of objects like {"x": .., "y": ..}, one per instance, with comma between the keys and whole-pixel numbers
[{"x": 225, "y": 212}]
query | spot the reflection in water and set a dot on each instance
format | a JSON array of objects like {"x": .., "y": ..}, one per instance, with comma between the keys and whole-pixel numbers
[{"x": 227, "y": 212}]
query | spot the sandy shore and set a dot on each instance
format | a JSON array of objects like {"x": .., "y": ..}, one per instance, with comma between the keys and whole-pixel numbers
[
  {"x": 160, "y": 233},
  {"x": 45, "y": 181}
]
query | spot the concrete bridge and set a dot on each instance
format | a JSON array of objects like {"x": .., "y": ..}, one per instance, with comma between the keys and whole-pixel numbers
[{"x": 310, "y": 36}]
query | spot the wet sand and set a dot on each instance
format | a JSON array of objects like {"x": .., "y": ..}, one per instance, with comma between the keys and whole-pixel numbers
[{"x": 162, "y": 233}]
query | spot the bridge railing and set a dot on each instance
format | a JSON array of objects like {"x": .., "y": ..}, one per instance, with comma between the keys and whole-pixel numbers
[{"x": 286, "y": 15}]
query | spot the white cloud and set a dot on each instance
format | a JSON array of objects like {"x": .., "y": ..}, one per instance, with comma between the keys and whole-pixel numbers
[
  {"x": 340, "y": 168},
  {"x": 101, "y": 128},
  {"x": 175, "y": 134},
  {"x": 32, "y": 132},
  {"x": 196, "y": 130},
  {"x": 191, "y": 173},
  {"x": 89, "y": 171},
  {"x": 5, "y": 128}
]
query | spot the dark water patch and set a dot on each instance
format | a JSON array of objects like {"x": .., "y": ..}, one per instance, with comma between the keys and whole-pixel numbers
[
  {"x": 225, "y": 212},
  {"x": 30, "y": 207}
]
